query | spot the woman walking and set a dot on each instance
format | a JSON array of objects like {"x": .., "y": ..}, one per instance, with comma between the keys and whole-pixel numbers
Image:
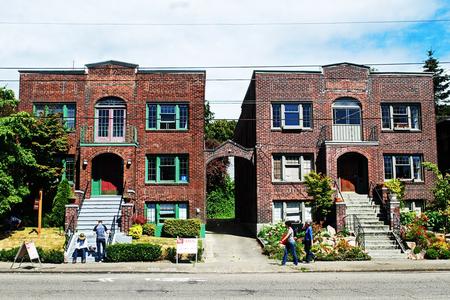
[{"x": 289, "y": 242}]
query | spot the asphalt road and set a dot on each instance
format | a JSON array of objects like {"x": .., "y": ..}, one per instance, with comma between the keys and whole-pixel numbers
[{"x": 413, "y": 285}]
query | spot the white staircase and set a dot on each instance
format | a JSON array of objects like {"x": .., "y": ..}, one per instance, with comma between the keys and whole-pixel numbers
[
  {"x": 379, "y": 240},
  {"x": 97, "y": 208}
]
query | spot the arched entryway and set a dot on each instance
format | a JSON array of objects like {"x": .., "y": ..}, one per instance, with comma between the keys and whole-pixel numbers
[
  {"x": 353, "y": 173},
  {"x": 107, "y": 175}
]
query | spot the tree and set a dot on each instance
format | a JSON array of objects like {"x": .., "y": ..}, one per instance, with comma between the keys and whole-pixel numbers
[
  {"x": 318, "y": 186},
  {"x": 441, "y": 82},
  {"x": 56, "y": 217},
  {"x": 30, "y": 153}
]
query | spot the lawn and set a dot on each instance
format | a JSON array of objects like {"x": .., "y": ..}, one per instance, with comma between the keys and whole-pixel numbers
[{"x": 50, "y": 238}]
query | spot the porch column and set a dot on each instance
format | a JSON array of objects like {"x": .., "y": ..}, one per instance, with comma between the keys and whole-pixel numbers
[
  {"x": 341, "y": 211},
  {"x": 393, "y": 207},
  {"x": 127, "y": 217},
  {"x": 71, "y": 217}
]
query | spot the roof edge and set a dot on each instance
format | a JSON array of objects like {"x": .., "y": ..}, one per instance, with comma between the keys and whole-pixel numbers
[{"x": 112, "y": 62}]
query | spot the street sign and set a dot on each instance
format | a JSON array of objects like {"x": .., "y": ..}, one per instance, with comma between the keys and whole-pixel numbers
[
  {"x": 187, "y": 246},
  {"x": 27, "y": 248}
]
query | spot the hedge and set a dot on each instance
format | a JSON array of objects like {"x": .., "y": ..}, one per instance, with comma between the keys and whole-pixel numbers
[
  {"x": 51, "y": 256},
  {"x": 181, "y": 228},
  {"x": 133, "y": 252},
  {"x": 149, "y": 229}
]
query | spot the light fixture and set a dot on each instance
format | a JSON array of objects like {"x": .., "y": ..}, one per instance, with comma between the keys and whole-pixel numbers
[
  {"x": 129, "y": 162},
  {"x": 85, "y": 162}
]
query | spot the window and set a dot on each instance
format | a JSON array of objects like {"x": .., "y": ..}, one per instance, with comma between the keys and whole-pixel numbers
[
  {"x": 167, "y": 116},
  {"x": 407, "y": 167},
  {"x": 167, "y": 169},
  {"x": 291, "y": 167},
  {"x": 417, "y": 205},
  {"x": 295, "y": 211},
  {"x": 400, "y": 116},
  {"x": 110, "y": 120},
  {"x": 346, "y": 111},
  {"x": 291, "y": 115},
  {"x": 159, "y": 212},
  {"x": 66, "y": 111},
  {"x": 69, "y": 168}
]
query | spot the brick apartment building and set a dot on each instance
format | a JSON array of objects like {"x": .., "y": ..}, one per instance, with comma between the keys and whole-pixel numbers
[
  {"x": 359, "y": 127},
  {"x": 132, "y": 131}
]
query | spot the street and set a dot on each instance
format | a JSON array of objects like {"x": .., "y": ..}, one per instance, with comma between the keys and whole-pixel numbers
[{"x": 384, "y": 285}]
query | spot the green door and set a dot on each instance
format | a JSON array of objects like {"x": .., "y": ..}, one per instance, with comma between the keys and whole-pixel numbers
[
  {"x": 96, "y": 187},
  {"x": 107, "y": 175}
]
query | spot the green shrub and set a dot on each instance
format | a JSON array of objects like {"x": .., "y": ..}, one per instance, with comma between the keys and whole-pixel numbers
[
  {"x": 444, "y": 254},
  {"x": 57, "y": 215},
  {"x": 417, "y": 250},
  {"x": 181, "y": 228},
  {"x": 133, "y": 252},
  {"x": 220, "y": 201},
  {"x": 51, "y": 256},
  {"x": 407, "y": 217},
  {"x": 436, "y": 220},
  {"x": 135, "y": 231},
  {"x": 432, "y": 254},
  {"x": 318, "y": 186},
  {"x": 148, "y": 229}
]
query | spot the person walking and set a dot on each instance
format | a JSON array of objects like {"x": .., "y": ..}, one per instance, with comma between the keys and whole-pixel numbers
[
  {"x": 101, "y": 232},
  {"x": 81, "y": 247},
  {"x": 308, "y": 241},
  {"x": 289, "y": 242}
]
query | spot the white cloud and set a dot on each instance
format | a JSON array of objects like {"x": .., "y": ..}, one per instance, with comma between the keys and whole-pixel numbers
[{"x": 40, "y": 45}]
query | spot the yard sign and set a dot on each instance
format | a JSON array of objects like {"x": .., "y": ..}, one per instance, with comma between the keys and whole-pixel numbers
[
  {"x": 27, "y": 248},
  {"x": 187, "y": 246}
]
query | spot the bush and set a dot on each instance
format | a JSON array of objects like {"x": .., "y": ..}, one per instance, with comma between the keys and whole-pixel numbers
[
  {"x": 133, "y": 252},
  {"x": 432, "y": 254},
  {"x": 407, "y": 217},
  {"x": 148, "y": 229},
  {"x": 181, "y": 228},
  {"x": 51, "y": 256},
  {"x": 318, "y": 186},
  {"x": 220, "y": 201},
  {"x": 135, "y": 231},
  {"x": 56, "y": 217},
  {"x": 436, "y": 220},
  {"x": 417, "y": 250},
  {"x": 444, "y": 254}
]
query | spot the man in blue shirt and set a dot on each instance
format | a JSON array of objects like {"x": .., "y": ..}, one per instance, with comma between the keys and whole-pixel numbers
[
  {"x": 101, "y": 232},
  {"x": 308, "y": 241}
]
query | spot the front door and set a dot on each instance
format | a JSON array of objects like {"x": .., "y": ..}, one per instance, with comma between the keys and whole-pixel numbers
[
  {"x": 107, "y": 175},
  {"x": 352, "y": 173}
]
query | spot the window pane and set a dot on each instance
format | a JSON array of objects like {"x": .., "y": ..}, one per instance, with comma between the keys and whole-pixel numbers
[
  {"x": 417, "y": 165},
  {"x": 151, "y": 168},
  {"x": 167, "y": 168},
  {"x": 39, "y": 110},
  {"x": 292, "y": 211},
  {"x": 307, "y": 115},
  {"x": 307, "y": 166},
  {"x": 168, "y": 117},
  {"x": 276, "y": 115},
  {"x": 103, "y": 122},
  {"x": 70, "y": 117},
  {"x": 277, "y": 213},
  {"x": 402, "y": 167},
  {"x": 277, "y": 167},
  {"x": 292, "y": 168},
  {"x": 118, "y": 122},
  {"x": 70, "y": 169},
  {"x": 183, "y": 116},
  {"x": 152, "y": 110},
  {"x": 340, "y": 116},
  {"x": 291, "y": 115},
  {"x": 415, "y": 117},
  {"x": 385, "y": 117},
  {"x": 151, "y": 212},
  {"x": 182, "y": 211},
  {"x": 400, "y": 116},
  {"x": 184, "y": 168},
  {"x": 354, "y": 116},
  {"x": 388, "y": 172},
  {"x": 166, "y": 211}
]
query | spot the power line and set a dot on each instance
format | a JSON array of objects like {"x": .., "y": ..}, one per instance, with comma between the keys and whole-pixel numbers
[{"x": 223, "y": 24}]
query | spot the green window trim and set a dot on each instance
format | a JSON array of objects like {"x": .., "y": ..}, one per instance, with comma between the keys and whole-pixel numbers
[
  {"x": 65, "y": 161},
  {"x": 158, "y": 217},
  {"x": 157, "y": 166},
  {"x": 65, "y": 111},
  {"x": 158, "y": 116}
]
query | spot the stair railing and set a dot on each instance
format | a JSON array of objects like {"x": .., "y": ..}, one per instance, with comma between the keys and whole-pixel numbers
[
  {"x": 396, "y": 232},
  {"x": 69, "y": 233},
  {"x": 338, "y": 189},
  {"x": 354, "y": 225},
  {"x": 117, "y": 216},
  {"x": 113, "y": 231}
]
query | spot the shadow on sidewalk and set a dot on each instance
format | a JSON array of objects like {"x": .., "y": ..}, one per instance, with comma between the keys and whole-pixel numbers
[{"x": 228, "y": 226}]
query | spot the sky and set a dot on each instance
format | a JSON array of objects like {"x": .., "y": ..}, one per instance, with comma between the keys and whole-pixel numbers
[{"x": 27, "y": 44}]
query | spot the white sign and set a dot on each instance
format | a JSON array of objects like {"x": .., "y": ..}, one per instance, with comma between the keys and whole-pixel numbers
[
  {"x": 31, "y": 249},
  {"x": 187, "y": 246},
  {"x": 27, "y": 248}
]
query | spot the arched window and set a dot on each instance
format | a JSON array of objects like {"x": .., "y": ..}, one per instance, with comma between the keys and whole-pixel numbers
[
  {"x": 346, "y": 120},
  {"x": 110, "y": 114}
]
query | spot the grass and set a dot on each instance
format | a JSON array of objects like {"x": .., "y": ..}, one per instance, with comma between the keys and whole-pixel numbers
[{"x": 50, "y": 238}]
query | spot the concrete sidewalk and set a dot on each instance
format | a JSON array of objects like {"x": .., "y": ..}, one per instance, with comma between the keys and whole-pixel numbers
[{"x": 270, "y": 266}]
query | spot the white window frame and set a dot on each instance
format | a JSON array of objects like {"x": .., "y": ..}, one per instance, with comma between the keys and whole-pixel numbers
[
  {"x": 411, "y": 166},
  {"x": 301, "y": 166},
  {"x": 283, "y": 117},
  {"x": 409, "y": 116},
  {"x": 302, "y": 210}
]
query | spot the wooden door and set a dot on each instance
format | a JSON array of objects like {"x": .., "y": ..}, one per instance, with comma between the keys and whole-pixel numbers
[{"x": 348, "y": 174}]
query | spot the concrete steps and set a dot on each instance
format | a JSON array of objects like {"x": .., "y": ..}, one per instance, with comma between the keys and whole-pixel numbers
[{"x": 379, "y": 241}]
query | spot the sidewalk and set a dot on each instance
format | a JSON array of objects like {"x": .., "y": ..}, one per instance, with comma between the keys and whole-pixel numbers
[{"x": 270, "y": 266}]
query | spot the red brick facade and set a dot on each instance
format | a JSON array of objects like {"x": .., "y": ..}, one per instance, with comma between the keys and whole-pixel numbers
[
  {"x": 136, "y": 87},
  {"x": 322, "y": 89}
]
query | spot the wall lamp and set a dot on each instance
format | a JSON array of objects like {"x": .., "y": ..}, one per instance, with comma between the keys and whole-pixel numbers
[
  {"x": 85, "y": 163},
  {"x": 129, "y": 162}
]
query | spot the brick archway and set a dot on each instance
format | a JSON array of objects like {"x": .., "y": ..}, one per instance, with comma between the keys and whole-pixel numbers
[{"x": 229, "y": 148}]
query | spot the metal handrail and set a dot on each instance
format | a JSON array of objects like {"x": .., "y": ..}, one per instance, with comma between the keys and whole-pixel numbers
[
  {"x": 113, "y": 231},
  {"x": 396, "y": 232},
  {"x": 116, "y": 217},
  {"x": 357, "y": 229},
  {"x": 373, "y": 187},
  {"x": 69, "y": 233}
]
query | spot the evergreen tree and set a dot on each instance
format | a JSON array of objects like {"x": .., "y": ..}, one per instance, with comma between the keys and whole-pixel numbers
[
  {"x": 64, "y": 192},
  {"x": 441, "y": 83}
]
